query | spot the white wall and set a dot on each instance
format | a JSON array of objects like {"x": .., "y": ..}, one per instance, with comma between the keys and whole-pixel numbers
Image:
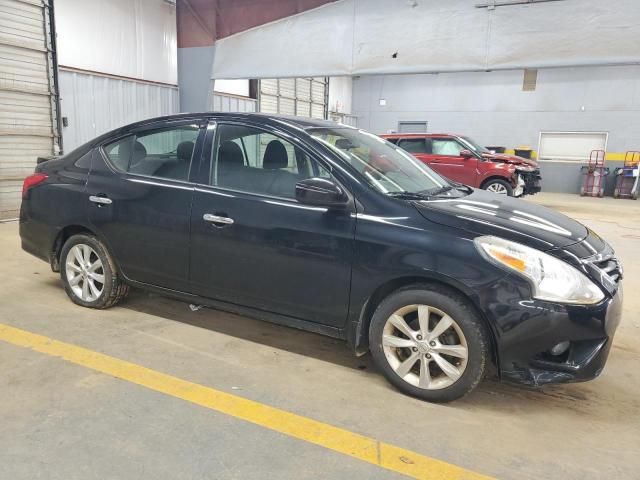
[
  {"x": 233, "y": 87},
  {"x": 99, "y": 41},
  {"x": 357, "y": 37},
  {"x": 129, "y": 38},
  {"x": 95, "y": 104},
  {"x": 492, "y": 107}
]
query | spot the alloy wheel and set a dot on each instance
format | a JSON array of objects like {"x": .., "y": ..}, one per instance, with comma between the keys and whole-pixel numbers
[
  {"x": 425, "y": 347},
  {"x": 497, "y": 188},
  {"x": 85, "y": 272}
]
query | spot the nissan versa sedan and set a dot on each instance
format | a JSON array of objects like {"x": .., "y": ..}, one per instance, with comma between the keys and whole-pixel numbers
[{"x": 330, "y": 229}]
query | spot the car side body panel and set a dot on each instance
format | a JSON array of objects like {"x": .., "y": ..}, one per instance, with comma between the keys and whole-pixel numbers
[{"x": 355, "y": 257}]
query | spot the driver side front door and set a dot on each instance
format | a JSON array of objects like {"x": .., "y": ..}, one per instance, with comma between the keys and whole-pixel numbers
[{"x": 253, "y": 244}]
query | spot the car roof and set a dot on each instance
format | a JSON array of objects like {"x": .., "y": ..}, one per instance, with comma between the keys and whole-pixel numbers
[
  {"x": 266, "y": 118},
  {"x": 419, "y": 135},
  {"x": 301, "y": 122}
]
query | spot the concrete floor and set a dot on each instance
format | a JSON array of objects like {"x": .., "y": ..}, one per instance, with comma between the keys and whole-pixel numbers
[{"x": 62, "y": 421}]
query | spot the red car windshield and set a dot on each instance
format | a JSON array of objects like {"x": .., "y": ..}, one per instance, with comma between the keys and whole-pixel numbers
[{"x": 474, "y": 146}]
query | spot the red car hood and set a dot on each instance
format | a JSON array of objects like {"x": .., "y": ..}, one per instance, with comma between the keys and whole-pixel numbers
[{"x": 512, "y": 159}]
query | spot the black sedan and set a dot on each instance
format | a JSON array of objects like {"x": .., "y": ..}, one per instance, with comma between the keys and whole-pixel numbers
[{"x": 330, "y": 229}]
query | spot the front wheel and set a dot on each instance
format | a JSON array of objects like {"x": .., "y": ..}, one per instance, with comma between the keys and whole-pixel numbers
[
  {"x": 89, "y": 274},
  {"x": 501, "y": 187},
  {"x": 429, "y": 343}
]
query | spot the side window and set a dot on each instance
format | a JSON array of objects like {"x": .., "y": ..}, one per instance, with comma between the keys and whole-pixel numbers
[
  {"x": 413, "y": 145},
  {"x": 254, "y": 161},
  {"x": 445, "y": 146},
  {"x": 162, "y": 153}
]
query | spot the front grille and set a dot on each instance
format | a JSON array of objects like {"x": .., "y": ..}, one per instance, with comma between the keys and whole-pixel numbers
[
  {"x": 609, "y": 266},
  {"x": 531, "y": 180}
]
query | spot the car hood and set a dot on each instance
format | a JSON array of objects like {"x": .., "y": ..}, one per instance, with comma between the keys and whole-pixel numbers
[
  {"x": 510, "y": 159},
  {"x": 518, "y": 220}
]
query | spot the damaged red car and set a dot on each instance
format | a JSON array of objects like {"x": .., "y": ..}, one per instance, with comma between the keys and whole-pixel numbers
[{"x": 461, "y": 159}]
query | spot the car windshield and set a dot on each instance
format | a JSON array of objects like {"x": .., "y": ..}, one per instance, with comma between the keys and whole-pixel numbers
[
  {"x": 386, "y": 167},
  {"x": 474, "y": 146}
]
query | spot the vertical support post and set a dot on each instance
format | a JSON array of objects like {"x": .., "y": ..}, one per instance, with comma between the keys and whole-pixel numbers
[{"x": 196, "y": 28}]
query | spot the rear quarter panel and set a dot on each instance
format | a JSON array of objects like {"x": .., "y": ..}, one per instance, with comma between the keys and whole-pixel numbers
[{"x": 58, "y": 202}]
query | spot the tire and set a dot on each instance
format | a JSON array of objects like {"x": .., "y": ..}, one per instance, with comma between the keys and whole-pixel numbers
[
  {"x": 499, "y": 187},
  {"x": 616, "y": 193},
  {"x": 582, "y": 192},
  {"x": 391, "y": 351},
  {"x": 102, "y": 276},
  {"x": 601, "y": 193}
]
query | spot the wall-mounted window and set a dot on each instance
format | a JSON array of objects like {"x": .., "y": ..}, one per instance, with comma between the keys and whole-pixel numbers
[{"x": 570, "y": 146}]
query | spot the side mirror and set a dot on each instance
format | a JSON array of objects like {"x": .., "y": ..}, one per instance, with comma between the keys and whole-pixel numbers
[
  {"x": 466, "y": 154},
  {"x": 321, "y": 192}
]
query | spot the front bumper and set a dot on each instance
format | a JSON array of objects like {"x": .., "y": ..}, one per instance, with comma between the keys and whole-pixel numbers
[
  {"x": 526, "y": 330},
  {"x": 532, "y": 182}
]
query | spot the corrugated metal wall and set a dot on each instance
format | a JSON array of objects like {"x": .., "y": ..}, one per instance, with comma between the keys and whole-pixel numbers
[
  {"x": 93, "y": 104},
  {"x": 27, "y": 97},
  {"x": 304, "y": 97},
  {"x": 222, "y": 102}
]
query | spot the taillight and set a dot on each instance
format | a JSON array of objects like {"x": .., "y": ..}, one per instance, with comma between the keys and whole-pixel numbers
[{"x": 32, "y": 181}]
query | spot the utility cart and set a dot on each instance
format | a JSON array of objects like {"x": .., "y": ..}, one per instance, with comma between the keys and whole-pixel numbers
[
  {"x": 627, "y": 176},
  {"x": 594, "y": 173}
]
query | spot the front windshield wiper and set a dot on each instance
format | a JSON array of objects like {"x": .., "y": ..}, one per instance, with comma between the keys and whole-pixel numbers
[
  {"x": 405, "y": 195},
  {"x": 437, "y": 191},
  {"x": 462, "y": 187},
  {"x": 423, "y": 195}
]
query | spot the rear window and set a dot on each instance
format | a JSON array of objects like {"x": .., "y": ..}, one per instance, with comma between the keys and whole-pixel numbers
[{"x": 163, "y": 153}]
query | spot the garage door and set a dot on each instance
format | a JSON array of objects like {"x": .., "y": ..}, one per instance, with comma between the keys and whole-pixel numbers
[
  {"x": 27, "y": 106},
  {"x": 304, "y": 97}
]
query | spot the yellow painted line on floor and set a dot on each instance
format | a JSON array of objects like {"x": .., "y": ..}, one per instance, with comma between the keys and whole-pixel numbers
[{"x": 337, "y": 439}]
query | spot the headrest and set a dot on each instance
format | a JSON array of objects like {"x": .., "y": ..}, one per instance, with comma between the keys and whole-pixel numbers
[
  {"x": 230, "y": 153},
  {"x": 139, "y": 152},
  {"x": 185, "y": 150},
  {"x": 275, "y": 156}
]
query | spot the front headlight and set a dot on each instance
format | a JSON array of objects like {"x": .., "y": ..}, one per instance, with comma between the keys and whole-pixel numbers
[{"x": 551, "y": 279}]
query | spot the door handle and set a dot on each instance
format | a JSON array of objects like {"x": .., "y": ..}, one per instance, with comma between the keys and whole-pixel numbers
[
  {"x": 217, "y": 219},
  {"x": 100, "y": 200}
]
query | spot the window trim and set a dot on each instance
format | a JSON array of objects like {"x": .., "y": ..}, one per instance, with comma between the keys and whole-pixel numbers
[
  {"x": 212, "y": 144},
  {"x": 196, "y": 156}
]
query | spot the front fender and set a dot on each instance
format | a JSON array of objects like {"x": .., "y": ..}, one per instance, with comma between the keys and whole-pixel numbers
[{"x": 503, "y": 171}]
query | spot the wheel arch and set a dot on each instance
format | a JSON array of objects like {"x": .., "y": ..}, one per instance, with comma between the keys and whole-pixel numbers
[
  {"x": 63, "y": 235},
  {"x": 484, "y": 182},
  {"x": 358, "y": 336}
]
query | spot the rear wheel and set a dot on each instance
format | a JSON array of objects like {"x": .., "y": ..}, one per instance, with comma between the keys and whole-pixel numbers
[
  {"x": 89, "y": 274},
  {"x": 501, "y": 187},
  {"x": 429, "y": 343}
]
